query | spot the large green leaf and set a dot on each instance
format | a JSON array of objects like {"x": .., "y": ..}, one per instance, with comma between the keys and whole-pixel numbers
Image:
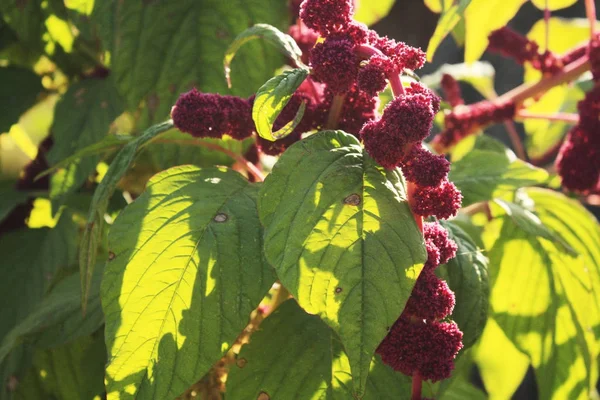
[
  {"x": 185, "y": 271},
  {"x": 57, "y": 319},
  {"x": 9, "y": 198},
  {"x": 481, "y": 18},
  {"x": 20, "y": 87},
  {"x": 271, "y": 99},
  {"x": 482, "y": 175},
  {"x": 159, "y": 49},
  {"x": 82, "y": 118},
  {"x": 339, "y": 232},
  {"x": 282, "y": 42},
  {"x": 295, "y": 355},
  {"x": 73, "y": 371},
  {"x": 92, "y": 233},
  {"x": 451, "y": 14},
  {"x": 467, "y": 276},
  {"x": 371, "y": 11},
  {"x": 546, "y": 300}
]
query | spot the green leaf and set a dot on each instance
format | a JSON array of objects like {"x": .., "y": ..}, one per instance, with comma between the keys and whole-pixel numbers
[
  {"x": 501, "y": 364},
  {"x": 9, "y": 198},
  {"x": 185, "y": 271},
  {"x": 372, "y": 11},
  {"x": 467, "y": 276},
  {"x": 531, "y": 223},
  {"x": 482, "y": 175},
  {"x": 450, "y": 16},
  {"x": 339, "y": 232},
  {"x": 481, "y": 18},
  {"x": 18, "y": 92},
  {"x": 282, "y": 42},
  {"x": 93, "y": 230},
  {"x": 553, "y": 4},
  {"x": 57, "y": 319},
  {"x": 270, "y": 100},
  {"x": 105, "y": 145},
  {"x": 295, "y": 355},
  {"x": 479, "y": 74},
  {"x": 161, "y": 49},
  {"x": 81, "y": 119},
  {"x": 546, "y": 300},
  {"x": 73, "y": 371}
]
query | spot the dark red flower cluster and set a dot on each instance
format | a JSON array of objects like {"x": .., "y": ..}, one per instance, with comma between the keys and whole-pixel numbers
[
  {"x": 451, "y": 90},
  {"x": 305, "y": 38},
  {"x": 514, "y": 45},
  {"x": 578, "y": 161},
  {"x": 419, "y": 342},
  {"x": 465, "y": 121},
  {"x": 213, "y": 115},
  {"x": 594, "y": 56}
]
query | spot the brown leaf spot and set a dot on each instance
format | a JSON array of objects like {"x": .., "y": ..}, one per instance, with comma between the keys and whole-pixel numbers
[
  {"x": 352, "y": 200},
  {"x": 104, "y": 104},
  {"x": 338, "y": 290},
  {"x": 111, "y": 256},
  {"x": 263, "y": 396},
  {"x": 241, "y": 362}
]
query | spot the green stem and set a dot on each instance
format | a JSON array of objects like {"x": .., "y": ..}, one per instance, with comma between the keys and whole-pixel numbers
[{"x": 335, "y": 111}]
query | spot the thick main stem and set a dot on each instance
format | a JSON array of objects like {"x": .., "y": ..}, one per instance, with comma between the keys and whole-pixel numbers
[
  {"x": 417, "y": 384},
  {"x": 335, "y": 111}
]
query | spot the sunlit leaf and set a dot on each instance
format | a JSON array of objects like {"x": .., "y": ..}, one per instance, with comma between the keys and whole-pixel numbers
[
  {"x": 449, "y": 17},
  {"x": 481, "y": 18},
  {"x": 479, "y": 74},
  {"x": 553, "y": 4},
  {"x": 340, "y": 234},
  {"x": 185, "y": 271},
  {"x": 19, "y": 90},
  {"x": 371, "y": 11}
]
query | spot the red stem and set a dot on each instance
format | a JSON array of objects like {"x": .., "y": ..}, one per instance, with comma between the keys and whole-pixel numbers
[
  {"x": 515, "y": 140},
  {"x": 547, "y": 25},
  {"x": 590, "y": 10},
  {"x": 417, "y": 383},
  {"x": 335, "y": 111},
  {"x": 396, "y": 84},
  {"x": 561, "y": 117}
]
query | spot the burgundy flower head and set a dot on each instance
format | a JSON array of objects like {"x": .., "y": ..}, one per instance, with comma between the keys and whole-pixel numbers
[
  {"x": 433, "y": 256},
  {"x": 423, "y": 167},
  {"x": 439, "y": 236},
  {"x": 385, "y": 148},
  {"x": 327, "y": 16},
  {"x": 237, "y": 117},
  {"x": 199, "y": 114},
  {"x": 335, "y": 63},
  {"x": 512, "y": 44},
  {"x": 578, "y": 162},
  {"x": 419, "y": 88},
  {"x": 442, "y": 201},
  {"x": 401, "y": 55},
  {"x": 410, "y": 116},
  {"x": 451, "y": 90},
  {"x": 431, "y": 298},
  {"x": 428, "y": 348},
  {"x": 372, "y": 77}
]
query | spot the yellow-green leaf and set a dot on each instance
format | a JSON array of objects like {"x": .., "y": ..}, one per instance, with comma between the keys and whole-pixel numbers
[
  {"x": 449, "y": 17},
  {"x": 370, "y": 11},
  {"x": 481, "y": 18},
  {"x": 553, "y": 4}
]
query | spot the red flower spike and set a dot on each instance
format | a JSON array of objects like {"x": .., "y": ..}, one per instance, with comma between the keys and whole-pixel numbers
[
  {"x": 199, "y": 114},
  {"x": 326, "y": 16},
  {"x": 357, "y": 32},
  {"x": 451, "y": 90},
  {"x": 400, "y": 54},
  {"x": 237, "y": 114},
  {"x": 335, "y": 63},
  {"x": 410, "y": 116},
  {"x": 372, "y": 77},
  {"x": 442, "y": 202},
  {"x": 578, "y": 162},
  {"x": 385, "y": 148},
  {"x": 424, "y": 168},
  {"x": 512, "y": 44},
  {"x": 419, "y": 88},
  {"x": 589, "y": 112},
  {"x": 434, "y": 232},
  {"x": 306, "y": 39},
  {"x": 594, "y": 56},
  {"x": 433, "y": 256},
  {"x": 417, "y": 346},
  {"x": 431, "y": 298}
]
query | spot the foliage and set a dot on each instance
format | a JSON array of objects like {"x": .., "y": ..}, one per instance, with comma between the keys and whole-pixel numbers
[{"x": 332, "y": 251}]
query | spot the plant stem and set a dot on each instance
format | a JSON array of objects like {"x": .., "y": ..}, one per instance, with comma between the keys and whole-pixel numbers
[
  {"x": 335, "y": 111},
  {"x": 515, "y": 140},
  {"x": 251, "y": 168},
  {"x": 417, "y": 384},
  {"x": 562, "y": 117},
  {"x": 282, "y": 295},
  {"x": 547, "y": 25},
  {"x": 410, "y": 192},
  {"x": 396, "y": 85},
  {"x": 590, "y": 11}
]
